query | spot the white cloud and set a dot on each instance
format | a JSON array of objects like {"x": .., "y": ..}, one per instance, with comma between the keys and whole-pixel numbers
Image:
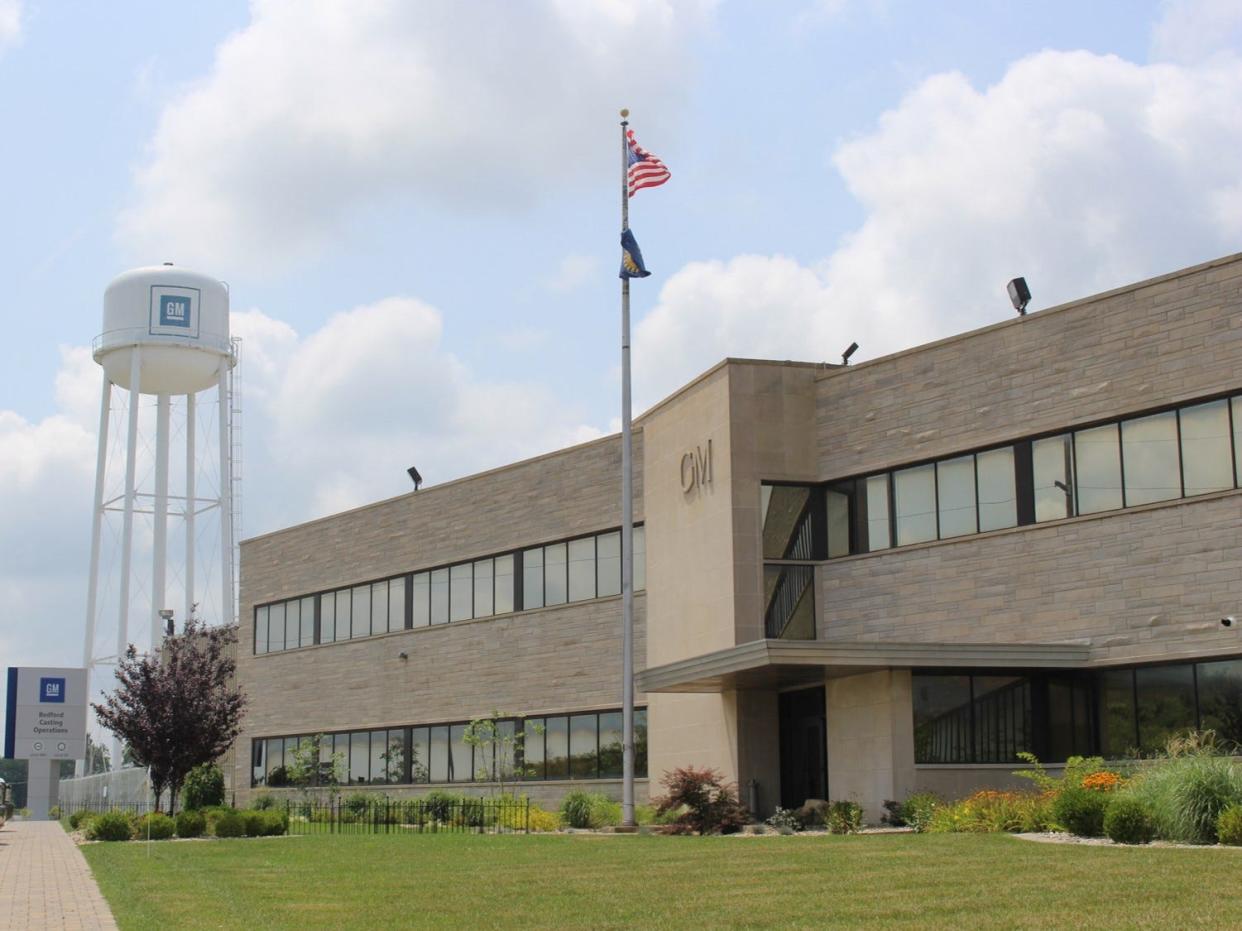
[
  {"x": 573, "y": 272},
  {"x": 10, "y": 21},
  {"x": 317, "y": 108},
  {"x": 1079, "y": 171},
  {"x": 1190, "y": 31}
]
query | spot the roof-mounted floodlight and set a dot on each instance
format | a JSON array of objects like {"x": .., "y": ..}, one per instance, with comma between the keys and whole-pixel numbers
[
  {"x": 414, "y": 477},
  {"x": 1019, "y": 295},
  {"x": 845, "y": 356}
]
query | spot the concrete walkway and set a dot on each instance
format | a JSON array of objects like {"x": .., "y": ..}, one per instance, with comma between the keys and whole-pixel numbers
[{"x": 45, "y": 882}]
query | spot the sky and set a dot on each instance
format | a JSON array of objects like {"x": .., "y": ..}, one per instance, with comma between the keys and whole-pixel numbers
[{"x": 416, "y": 208}]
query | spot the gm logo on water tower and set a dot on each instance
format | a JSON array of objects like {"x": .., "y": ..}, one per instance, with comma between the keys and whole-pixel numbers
[
  {"x": 51, "y": 689},
  {"x": 174, "y": 311}
]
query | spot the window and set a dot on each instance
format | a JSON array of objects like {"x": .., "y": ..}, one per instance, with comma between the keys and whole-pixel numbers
[
  {"x": 1116, "y": 690},
  {"x": 610, "y": 745},
  {"x": 378, "y": 765},
  {"x": 532, "y": 748},
  {"x": 307, "y": 636},
  {"x": 440, "y": 596},
  {"x": 1052, "y": 463},
  {"x": 582, "y": 569},
  {"x": 483, "y": 592},
  {"x": 998, "y": 496},
  {"x": 420, "y": 589},
  {"x": 420, "y": 754},
  {"x": 837, "y": 507},
  {"x": 276, "y": 628},
  {"x": 461, "y": 601},
  {"x": 359, "y": 757},
  {"x": 1166, "y": 703},
  {"x": 327, "y": 617},
  {"x": 1206, "y": 456},
  {"x": 1097, "y": 460},
  {"x": 942, "y": 731},
  {"x": 955, "y": 493},
  {"x": 556, "y": 747},
  {"x": 343, "y": 612},
  {"x": 640, "y": 558},
  {"x": 1236, "y": 404},
  {"x": 878, "y": 537},
  {"x": 439, "y": 755},
  {"x": 1220, "y": 699},
  {"x": 785, "y": 520},
  {"x": 361, "y": 612},
  {"x": 504, "y": 584},
  {"x": 555, "y": 578},
  {"x": 532, "y": 578},
  {"x": 1149, "y": 450},
  {"x": 459, "y": 755},
  {"x": 915, "y": 493},
  {"x": 396, "y": 604},
  {"x": 608, "y": 564},
  {"x": 260, "y": 629},
  {"x": 379, "y": 606},
  {"x": 583, "y": 746}
]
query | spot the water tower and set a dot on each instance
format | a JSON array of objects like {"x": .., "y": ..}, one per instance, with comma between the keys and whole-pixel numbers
[{"x": 165, "y": 335}]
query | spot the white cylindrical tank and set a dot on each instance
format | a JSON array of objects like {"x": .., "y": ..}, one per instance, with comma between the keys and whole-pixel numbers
[{"x": 178, "y": 317}]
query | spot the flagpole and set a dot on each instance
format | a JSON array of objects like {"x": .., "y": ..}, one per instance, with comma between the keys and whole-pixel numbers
[{"x": 627, "y": 520}]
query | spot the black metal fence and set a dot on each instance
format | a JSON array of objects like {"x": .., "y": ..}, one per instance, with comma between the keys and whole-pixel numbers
[
  {"x": 410, "y": 816},
  {"x": 130, "y": 808}
]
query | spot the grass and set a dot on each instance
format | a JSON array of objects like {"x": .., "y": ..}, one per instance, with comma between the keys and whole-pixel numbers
[{"x": 583, "y": 881}]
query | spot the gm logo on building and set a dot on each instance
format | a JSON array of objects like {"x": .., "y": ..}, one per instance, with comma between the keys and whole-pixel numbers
[
  {"x": 51, "y": 689},
  {"x": 174, "y": 310}
]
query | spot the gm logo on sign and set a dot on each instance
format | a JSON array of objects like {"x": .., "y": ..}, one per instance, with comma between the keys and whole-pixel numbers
[
  {"x": 51, "y": 689},
  {"x": 174, "y": 310}
]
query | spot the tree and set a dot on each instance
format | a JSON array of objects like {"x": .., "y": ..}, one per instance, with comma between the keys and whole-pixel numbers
[
  {"x": 179, "y": 707},
  {"x": 98, "y": 757},
  {"x": 498, "y": 744}
]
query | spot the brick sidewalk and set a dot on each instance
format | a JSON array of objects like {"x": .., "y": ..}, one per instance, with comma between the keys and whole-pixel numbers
[{"x": 45, "y": 882}]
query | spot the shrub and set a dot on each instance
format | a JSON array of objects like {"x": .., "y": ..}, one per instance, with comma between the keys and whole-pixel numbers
[
  {"x": 54, "y": 812},
  {"x": 439, "y": 806},
  {"x": 254, "y": 822},
  {"x": 271, "y": 823},
  {"x": 77, "y": 819},
  {"x": 542, "y": 820},
  {"x": 357, "y": 806},
  {"x": 986, "y": 811},
  {"x": 155, "y": 826},
  {"x": 785, "y": 820},
  {"x": 1127, "y": 821},
  {"x": 229, "y": 823},
  {"x": 589, "y": 810},
  {"x": 844, "y": 817},
  {"x": 1229, "y": 826},
  {"x": 704, "y": 802},
  {"x": 191, "y": 823},
  {"x": 916, "y": 811},
  {"x": 1081, "y": 811},
  {"x": 111, "y": 825},
  {"x": 204, "y": 787},
  {"x": 263, "y": 801},
  {"x": 1187, "y": 789}
]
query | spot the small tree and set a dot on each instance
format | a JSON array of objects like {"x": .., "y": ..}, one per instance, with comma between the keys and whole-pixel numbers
[
  {"x": 501, "y": 741},
  {"x": 309, "y": 769},
  {"x": 178, "y": 707}
]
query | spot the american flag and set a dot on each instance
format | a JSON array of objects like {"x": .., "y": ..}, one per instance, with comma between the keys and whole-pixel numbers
[{"x": 645, "y": 169}]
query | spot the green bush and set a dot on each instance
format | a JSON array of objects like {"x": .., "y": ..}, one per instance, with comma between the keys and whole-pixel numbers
[
  {"x": 1081, "y": 811},
  {"x": 54, "y": 812},
  {"x": 78, "y": 818},
  {"x": 111, "y": 825},
  {"x": 844, "y": 817},
  {"x": 273, "y": 823},
  {"x": 1128, "y": 821},
  {"x": 155, "y": 826},
  {"x": 263, "y": 801},
  {"x": 1229, "y": 826},
  {"x": 358, "y": 805},
  {"x": 916, "y": 811},
  {"x": 191, "y": 823},
  {"x": 1187, "y": 791},
  {"x": 589, "y": 810},
  {"x": 204, "y": 787},
  {"x": 255, "y": 822},
  {"x": 229, "y": 823}
]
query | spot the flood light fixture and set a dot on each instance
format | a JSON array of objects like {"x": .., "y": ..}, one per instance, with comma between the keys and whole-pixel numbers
[
  {"x": 1019, "y": 295},
  {"x": 845, "y": 356},
  {"x": 415, "y": 477}
]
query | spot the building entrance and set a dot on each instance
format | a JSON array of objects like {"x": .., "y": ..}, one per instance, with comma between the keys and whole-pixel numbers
[{"x": 804, "y": 746}]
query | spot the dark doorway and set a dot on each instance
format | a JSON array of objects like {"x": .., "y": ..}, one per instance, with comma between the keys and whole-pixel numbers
[{"x": 804, "y": 747}]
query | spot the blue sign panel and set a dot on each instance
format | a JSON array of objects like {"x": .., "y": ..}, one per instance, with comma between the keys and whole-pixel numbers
[
  {"x": 51, "y": 689},
  {"x": 174, "y": 310}
]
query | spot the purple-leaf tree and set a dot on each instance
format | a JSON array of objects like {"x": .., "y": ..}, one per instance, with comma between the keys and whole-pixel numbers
[{"x": 178, "y": 707}]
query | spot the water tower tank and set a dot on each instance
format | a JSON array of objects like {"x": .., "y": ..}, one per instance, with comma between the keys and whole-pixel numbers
[{"x": 179, "y": 320}]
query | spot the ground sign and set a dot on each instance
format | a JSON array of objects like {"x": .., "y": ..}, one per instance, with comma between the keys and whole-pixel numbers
[{"x": 46, "y": 714}]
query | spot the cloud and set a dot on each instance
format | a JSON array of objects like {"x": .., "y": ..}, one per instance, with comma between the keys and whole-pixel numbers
[
  {"x": 379, "y": 383},
  {"x": 317, "y": 108},
  {"x": 1079, "y": 171},
  {"x": 573, "y": 272},
  {"x": 10, "y": 22},
  {"x": 1190, "y": 31}
]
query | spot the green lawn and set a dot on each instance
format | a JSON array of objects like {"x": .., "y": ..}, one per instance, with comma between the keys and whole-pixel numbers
[{"x": 968, "y": 882}]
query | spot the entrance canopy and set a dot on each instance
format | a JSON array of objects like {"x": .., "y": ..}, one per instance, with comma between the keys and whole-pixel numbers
[{"x": 766, "y": 664}]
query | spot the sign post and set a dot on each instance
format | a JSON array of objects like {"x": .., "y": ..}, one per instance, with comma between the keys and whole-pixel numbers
[{"x": 45, "y": 722}]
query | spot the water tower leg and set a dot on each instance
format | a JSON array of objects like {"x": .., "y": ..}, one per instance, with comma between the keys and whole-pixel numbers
[
  {"x": 226, "y": 501},
  {"x": 190, "y": 504},
  {"x": 159, "y": 562},
  {"x": 127, "y": 526},
  {"x": 92, "y": 582}
]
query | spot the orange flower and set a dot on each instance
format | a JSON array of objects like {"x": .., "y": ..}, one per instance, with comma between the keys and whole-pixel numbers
[{"x": 1101, "y": 781}]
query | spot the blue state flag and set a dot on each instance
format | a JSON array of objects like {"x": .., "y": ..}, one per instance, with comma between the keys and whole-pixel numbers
[{"x": 631, "y": 257}]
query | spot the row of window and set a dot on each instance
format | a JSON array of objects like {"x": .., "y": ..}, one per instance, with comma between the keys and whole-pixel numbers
[
  {"x": 1113, "y": 713},
  {"x": 1191, "y": 450},
  {"x": 554, "y": 574},
  {"x": 569, "y": 746}
]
